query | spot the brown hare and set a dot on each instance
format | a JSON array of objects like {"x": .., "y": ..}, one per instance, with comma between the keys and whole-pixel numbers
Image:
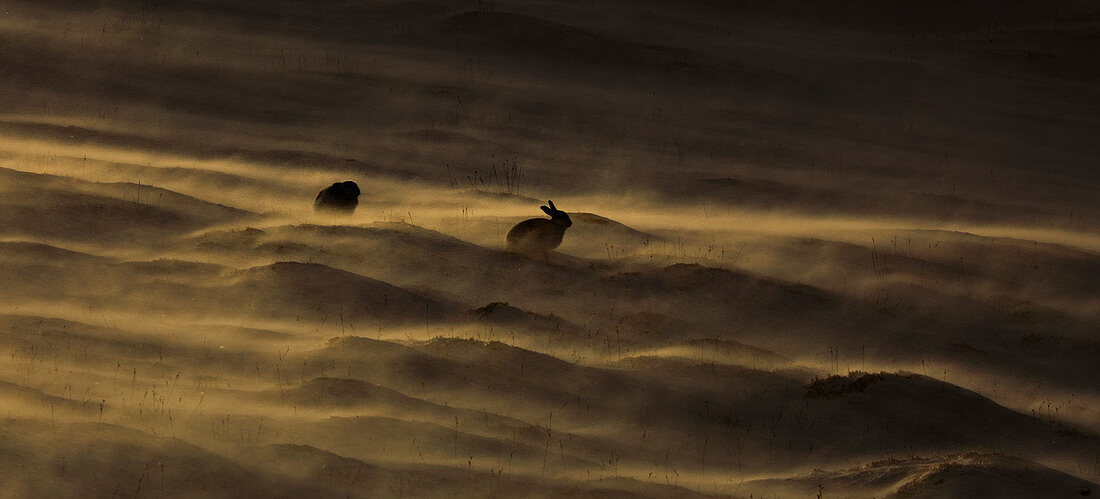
[
  {"x": 537, "y": 236},
  {"x": 341, "y": 197}
]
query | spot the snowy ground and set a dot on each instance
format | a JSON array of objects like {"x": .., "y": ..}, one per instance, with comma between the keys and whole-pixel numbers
[{"x": 840, "y": 251}]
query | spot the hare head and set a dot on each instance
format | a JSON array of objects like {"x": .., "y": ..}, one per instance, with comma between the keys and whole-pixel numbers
[{"x": 557, "y": 216}]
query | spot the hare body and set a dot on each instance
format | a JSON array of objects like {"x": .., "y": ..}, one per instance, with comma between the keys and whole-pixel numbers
[
  {"x": 537, "y": 236},
  {"x": 340, "y": 197}
]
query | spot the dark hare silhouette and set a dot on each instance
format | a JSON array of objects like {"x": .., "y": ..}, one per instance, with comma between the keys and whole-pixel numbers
[
  {"x": 341, "y": 197},
  {"x": 537, "y": 236}
]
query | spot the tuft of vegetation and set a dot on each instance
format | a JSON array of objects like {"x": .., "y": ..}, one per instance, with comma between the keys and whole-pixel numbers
[{"x": 834, "y": 387}]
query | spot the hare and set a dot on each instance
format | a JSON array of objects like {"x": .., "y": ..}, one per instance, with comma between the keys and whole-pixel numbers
[
  {"x": 339, "y": 197},
  {"x": 537, "y": 236}
]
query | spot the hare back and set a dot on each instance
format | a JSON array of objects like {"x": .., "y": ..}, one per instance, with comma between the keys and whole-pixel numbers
[
  {"x": 535, "y": 234},
  {"x": 338, "y": 196}
]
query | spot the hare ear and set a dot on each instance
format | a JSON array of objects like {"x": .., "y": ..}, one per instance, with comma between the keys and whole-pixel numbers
[
  {"x": 551, "y": 203},
  {"x": 547, "y": 210}
]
